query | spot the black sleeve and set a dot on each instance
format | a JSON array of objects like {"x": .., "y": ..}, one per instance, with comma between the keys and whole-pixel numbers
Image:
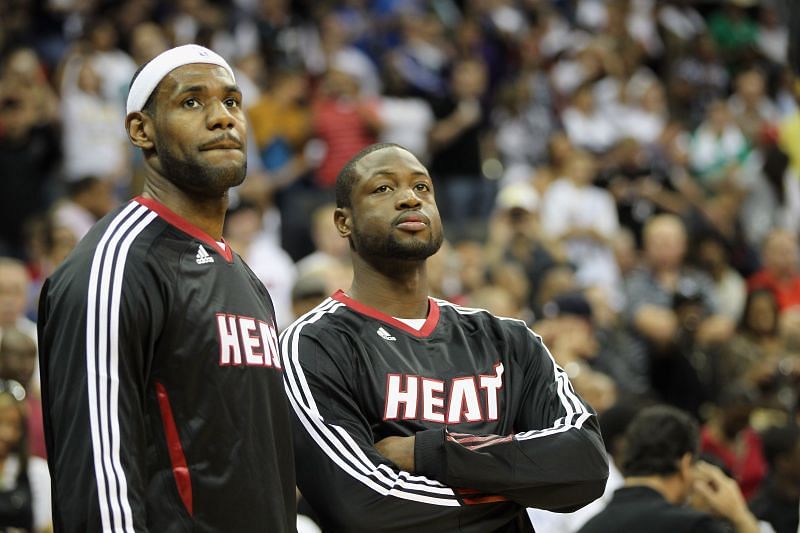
[
  {"x": 362, "y": 490},
  {"x": 556, "y": 459},
  {"x": 96, "y": 330}
]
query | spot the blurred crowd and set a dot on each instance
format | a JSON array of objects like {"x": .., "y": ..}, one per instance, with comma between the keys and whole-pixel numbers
[{"x": 623, "y": 175}]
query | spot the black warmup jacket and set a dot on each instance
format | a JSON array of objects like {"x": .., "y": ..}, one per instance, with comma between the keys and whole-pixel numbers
[
  {"x": 498, "y": 426},
  {"x": 162, "y": 387},
  {"x": 644, "y": 510}
]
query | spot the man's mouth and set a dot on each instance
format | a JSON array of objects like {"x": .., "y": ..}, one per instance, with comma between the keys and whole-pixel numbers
[
  {"x": 412, "y": 223},
  {"x": 222, "y": 144}
]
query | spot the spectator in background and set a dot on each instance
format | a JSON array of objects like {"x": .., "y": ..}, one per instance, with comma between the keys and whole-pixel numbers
[
  {"x": 29, "y": 151},
  {"x": 728, "y": 436},
  {"x": 643, "y": 115},
  {"x": 671, "y": 306},
  {"x": 406, "y": 117},
  {"x": 147, "y": 40},
  {"x": 345, "y": 119},
  {"x": 661, "y": 471},
  {"x": 777, "y": 501},
  {"x": 559, "y": 156},
  {"x": 424, "y": 53},
  {"x": 534, "y": 101},
  {"x": 268, "y": 261},
  {"x": 18, "y": 363},
  {"x": 587, "y": 125},
  {"x": 698, "y": 78},
  {"x": 336, "y": 52},
  {"x": 584, "y": 218},
  {"x": 87, "y": 200},
  {"x": 730, "y": 290},
  {"x": 25, "y": 480},
  {"x": 751, "y": 107},
  {"x": 465, "y": 195},
  {"x": 14, "y": 293},
  {"x": 331, "y": 256},
  {"x": 734, "y": 31},
  {"x": 649, "y": 290},
  {"x": 514, "y": 235},
  {"x": 718, "y": 151},
  {"x": 97, "y": 117},
  {"x": 781, "y": 269}
]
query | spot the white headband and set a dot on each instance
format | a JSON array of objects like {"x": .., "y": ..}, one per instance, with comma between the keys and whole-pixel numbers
[{"x": 164, "y": 63}]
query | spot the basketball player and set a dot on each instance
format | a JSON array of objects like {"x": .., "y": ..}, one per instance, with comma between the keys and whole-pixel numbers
[
  {"x": 415, "y": 414},
  {"x": 161, "y": 382}
]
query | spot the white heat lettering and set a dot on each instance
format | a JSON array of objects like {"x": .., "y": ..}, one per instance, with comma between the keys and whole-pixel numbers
[
  {"x": 431, "y": 401},
  {"x": 461, "y": 399},
  {"x": 229, "y": 351},
  {"x": 250, "y": 343},
  {"x": 396, "y": 396},
  {"x": 246, "y": 341},
  {"x": 492, "y": 385},
  {"x": 464, "y": 401}
]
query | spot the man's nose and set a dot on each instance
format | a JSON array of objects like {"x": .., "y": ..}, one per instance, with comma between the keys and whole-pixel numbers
[
  {"x": 408, "y": 198},
  {"x": 220, "y": 116}
]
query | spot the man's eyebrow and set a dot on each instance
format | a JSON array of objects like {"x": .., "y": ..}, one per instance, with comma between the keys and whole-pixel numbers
[
  {"x": 389, "y": 172},
  {"x": 203, "y": 88}
]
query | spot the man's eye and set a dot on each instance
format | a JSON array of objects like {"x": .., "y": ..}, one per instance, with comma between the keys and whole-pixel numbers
[
  {"x": 232, "y": 102},
  {"x": 191, "y": 103},
  {"x": 422, "y": 187},
  {"x": 382, "y": 188}
]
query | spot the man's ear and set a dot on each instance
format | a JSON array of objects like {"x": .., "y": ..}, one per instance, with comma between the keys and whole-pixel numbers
[
  {"x": 343, "y": 221},
  {"x": 140, "y": 130},
  {"x": 686, "y": 465}
]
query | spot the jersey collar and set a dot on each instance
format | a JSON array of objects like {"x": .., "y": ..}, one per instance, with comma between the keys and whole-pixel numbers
[
  {"x": 424, "y": 331},
  {"x": 185, "y": 226}
]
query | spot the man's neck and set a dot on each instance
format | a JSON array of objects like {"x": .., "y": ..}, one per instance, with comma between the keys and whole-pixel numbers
[
  {"x": 398, "y": 289},
  {"x": 668, "y": 486},
  {"x": 206, "y": 213}
]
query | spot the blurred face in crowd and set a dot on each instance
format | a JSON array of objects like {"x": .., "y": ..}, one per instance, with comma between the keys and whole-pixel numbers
[
  {"x": 17, "y": 356},
  {"x": 197, "y": 131},
  {"x": 780, "y": 253},
  {"x": 469, "y": 79},
  {"x": 761, "y": 313},
  {"x": 665, "y": 242},
  {"x": 750, "y": 86},
  {"x": 17, "y": 114},
  {"x": 14, "y": 282},
  {"x": 393, "y": 213}
]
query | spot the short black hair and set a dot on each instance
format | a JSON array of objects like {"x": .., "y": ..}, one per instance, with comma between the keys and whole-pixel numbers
[
  {"x": 615, "y": 420},
  {"x": 348, "y": 175},
  {"x": 656, "y": 441},
  {"x": 779, "y": 441},
  {"x": 149, "y": 107}
]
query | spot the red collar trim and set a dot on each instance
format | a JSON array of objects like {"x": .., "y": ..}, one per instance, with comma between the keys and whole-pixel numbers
[
  {"x": 427, "y": 328},
  {"x": 185, "y": 226}
]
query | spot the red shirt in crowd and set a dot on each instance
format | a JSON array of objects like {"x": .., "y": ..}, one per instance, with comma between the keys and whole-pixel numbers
[
  {"x": 344, "y": 128},
  {"x": 747, "y": 465},
  {"x": 787, "y": 293}
]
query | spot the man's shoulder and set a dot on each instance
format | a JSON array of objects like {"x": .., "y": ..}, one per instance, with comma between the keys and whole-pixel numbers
[
  {"x": 634, "y": 508},
  {"x": 478, "y": 319}
]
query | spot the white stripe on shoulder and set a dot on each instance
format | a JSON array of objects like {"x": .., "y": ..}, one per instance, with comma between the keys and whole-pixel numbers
[
  {"x": 102, "y": 352},
  {"x": 335, "y": 441},
  {"x": 475, "y": 310}
]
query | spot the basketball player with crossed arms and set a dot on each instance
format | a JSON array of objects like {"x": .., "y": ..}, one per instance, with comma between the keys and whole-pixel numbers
[
  {"x": 415, "y": 414},
  {"x": 161, "y": 381}
]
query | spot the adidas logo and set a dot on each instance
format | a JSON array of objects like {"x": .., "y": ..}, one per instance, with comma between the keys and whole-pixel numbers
[
  {"x": 203, "y": 257},
  {"x": 385, "y": 335}
]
